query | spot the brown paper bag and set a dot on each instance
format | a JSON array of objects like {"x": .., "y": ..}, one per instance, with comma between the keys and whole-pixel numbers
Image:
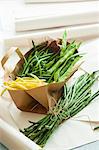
[{"x": 40, "y": 99}]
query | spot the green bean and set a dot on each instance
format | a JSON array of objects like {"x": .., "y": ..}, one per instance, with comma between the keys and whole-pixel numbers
[
  {"x": 61, "y": 60},
  {"x": 96, "y": 128},
  {"x": 64, "y": 67}
]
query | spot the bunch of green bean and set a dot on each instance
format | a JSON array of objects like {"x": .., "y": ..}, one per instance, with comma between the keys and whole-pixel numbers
[
  {"x": 75, "y": 97},
  {"x": 46, "y": 64},
  {"x": 35, "y": 62}
]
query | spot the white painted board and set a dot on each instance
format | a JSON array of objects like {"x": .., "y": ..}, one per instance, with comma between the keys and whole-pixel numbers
[
  {"x": 52, "y": 1},
  {"x": 56, "y": 15}
]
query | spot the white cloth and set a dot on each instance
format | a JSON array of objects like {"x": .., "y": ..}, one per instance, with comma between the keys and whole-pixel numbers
[{"x": 71, "y": 133}]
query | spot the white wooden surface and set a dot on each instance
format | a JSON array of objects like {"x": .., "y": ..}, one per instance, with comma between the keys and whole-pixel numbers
[
  {"x": 53, "y": 1},
  {"x": 56, "y": 15},
  {"x": 10, "y": 8}
]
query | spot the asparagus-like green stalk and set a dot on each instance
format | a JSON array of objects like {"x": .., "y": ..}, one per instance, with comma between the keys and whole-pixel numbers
[{"x": 73, "y": 100}]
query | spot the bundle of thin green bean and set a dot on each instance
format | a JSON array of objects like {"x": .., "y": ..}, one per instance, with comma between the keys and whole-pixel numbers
[
  {"x": 75, "y": 97},
  {"x": 51, "y": 65}
]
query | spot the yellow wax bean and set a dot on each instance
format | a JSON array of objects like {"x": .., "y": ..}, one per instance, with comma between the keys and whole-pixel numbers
[
  {"x": 25, "y": 83},
  {"x": 19, "y": 86}
]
